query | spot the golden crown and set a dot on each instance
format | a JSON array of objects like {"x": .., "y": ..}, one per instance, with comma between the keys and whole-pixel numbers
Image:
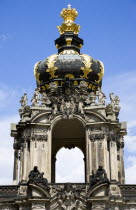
[{"x": 69, "y": 15}]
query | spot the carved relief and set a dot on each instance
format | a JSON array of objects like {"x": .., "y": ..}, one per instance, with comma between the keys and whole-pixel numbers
[
  {"x": 98, "y": 206},
  {"x": 69, "y": 198},
  {"x": 39, "y": 206},
  {"x": 94, "y": 137},
  {"x": 36, "y": 137}
]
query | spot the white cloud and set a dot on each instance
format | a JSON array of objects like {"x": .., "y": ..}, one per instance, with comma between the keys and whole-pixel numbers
[
  {"x": 130, "y": 143},
  {"x": 6, "y": 150},
  {"x": 131, "y": 170},
  {"x": 70, "y": 166}
]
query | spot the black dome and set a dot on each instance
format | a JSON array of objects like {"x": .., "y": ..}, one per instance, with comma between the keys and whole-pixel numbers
[
  {"x": 77, "y": 67},
  {"x": 69, "y": 63}
]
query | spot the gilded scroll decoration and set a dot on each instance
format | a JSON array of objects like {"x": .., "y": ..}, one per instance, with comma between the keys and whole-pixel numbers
[
  {"x": 100, "y": 75},
  {"x": 87, "y": 65},
  {"x": 51, "y": 66}
]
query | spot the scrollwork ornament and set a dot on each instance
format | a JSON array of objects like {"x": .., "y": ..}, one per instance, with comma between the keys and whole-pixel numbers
[
  {"x": 87, "y": 66},
  {"x": 51, "y": 66}
]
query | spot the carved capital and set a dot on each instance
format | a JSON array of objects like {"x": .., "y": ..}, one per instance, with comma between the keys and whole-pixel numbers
[
  {"x": 95, "y": 137},
  {"x": 38, "y": 137},
  {"x": 120, "y": 145}
]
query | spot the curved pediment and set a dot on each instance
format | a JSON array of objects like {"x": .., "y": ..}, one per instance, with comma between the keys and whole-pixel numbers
[
  {"x": 94, "y": 116},
  {"x": 38, "y": 191},
  {"x": 99, "y": 190},
  {"x": 40, "y": 118}
]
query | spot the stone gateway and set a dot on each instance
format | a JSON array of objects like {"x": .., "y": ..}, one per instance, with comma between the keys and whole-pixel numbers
[{"x": 68, "y": 110}]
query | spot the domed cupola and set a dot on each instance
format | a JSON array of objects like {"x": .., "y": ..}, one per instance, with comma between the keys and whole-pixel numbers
[{"x": 69, "y": 64}]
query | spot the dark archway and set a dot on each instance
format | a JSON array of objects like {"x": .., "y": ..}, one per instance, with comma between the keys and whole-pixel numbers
[{"x": 69, "y": 133}]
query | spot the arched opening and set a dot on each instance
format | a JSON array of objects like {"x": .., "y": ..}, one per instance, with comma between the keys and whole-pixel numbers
[
  {"x": 69, "y": 133},
  {"x": 70, "y": 166}
]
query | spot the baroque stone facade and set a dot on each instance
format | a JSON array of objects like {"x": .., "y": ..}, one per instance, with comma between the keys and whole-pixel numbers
[{"x": 68, "y": 109}]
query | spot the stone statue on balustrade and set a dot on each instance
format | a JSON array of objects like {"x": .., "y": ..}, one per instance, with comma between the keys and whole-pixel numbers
[
  {"x": 24, "y": 100},
  {"x": 35, "y": 177},
  {"x": 99, "y": 177},
  {"x": 36, "y": 98},
  {"x": 101, "y": 97}
]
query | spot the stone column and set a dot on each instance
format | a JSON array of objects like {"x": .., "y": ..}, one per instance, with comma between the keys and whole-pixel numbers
[
  {"x": 113, "y": 160},
  {"x": 15, "y": 171},
  {"x": 21, "y": 162},
  {"x": 88, "y": 167},
  {"x": 49, "y": 155},
  {"x": 25, "y": 162},
  {"x": 121, "y": 160}
]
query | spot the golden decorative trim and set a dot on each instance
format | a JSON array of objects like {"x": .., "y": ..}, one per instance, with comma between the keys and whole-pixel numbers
[
  {"x": 69, "y": 15},
  {"x": 51, "y": 68},
  {"x": 36, "y": 74},
  {"x": 71, "y": 27},
  {"x": 57, "y": 46},
  {"x": 92, "y": 87},
  {"x": 80, "y": 46},
  {"x": 100, "y": 75},
  {"x": 69, "y": 75},
  {"x": 87, "y": 65},
  {"x": 68, "y": 41},
  {"x": 69, "y": 52}
]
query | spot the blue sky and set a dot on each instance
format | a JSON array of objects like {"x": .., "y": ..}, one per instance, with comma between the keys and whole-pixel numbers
[{"x": 27, "y": 34}]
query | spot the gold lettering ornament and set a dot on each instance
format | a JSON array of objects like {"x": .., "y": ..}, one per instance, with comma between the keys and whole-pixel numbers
[{"x": 51, "y": 68}]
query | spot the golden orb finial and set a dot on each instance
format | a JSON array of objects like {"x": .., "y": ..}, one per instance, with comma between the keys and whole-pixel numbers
[{"x": 69, "y": 15}]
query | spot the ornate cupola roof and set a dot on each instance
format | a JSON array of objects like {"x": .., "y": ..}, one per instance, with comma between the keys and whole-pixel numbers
[{"x": 69, "y": 64}]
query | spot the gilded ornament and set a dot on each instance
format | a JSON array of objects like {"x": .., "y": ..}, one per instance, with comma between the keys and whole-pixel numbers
[
  {"x": 69, "y": 15},
  {"x": 68, "y": 41},
  {"x": 69, "y": 52},
  {"x": 57, "y": 46},
  {"x": 100, "y": 75},
  {"x": 69, "y": 27},
  {"x": 51, "y": 68},
  {"x": 80, "y": 46},
  {"x": 71, "y": 76},
  {"x": 36, "y": 74},
  {"x": 87, "y": 65}
]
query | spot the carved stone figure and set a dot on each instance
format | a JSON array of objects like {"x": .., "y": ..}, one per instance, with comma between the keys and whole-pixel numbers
[
  {"x": 90, "y": 99},
  {"x": 53, "y": 87},
  {"x": 83, "y": 87},
  {"x": 67, "y": 108},
  {"x": 24, "y": 100},
  {"x": 100, "y": 176},
  {"x": 114, "y": 100},
  {"x": 35, "y": 99},
  {"x": 101, "y": 97},
  {"x": 45, "y": 100},
  {"x": 69, "y": 198},
  {"x": 35, "y": 177}
]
